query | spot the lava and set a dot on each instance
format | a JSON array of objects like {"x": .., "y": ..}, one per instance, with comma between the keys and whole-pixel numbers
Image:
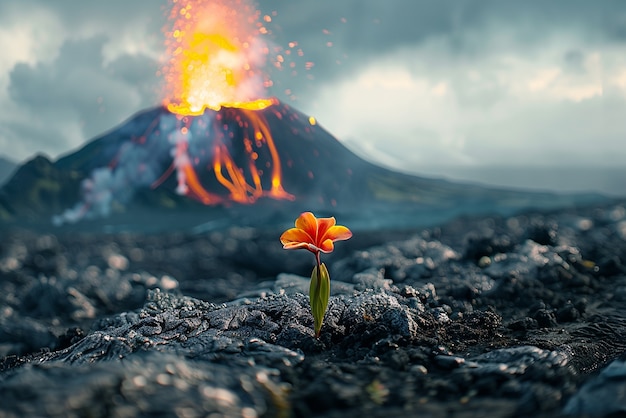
[
  {"x": 216, "y": 59},
  {"x": 242, "y": 149},
  {"x": 216, "y": 55}
]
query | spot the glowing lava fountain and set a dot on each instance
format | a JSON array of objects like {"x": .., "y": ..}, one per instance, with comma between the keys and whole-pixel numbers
[
  {"x": 216, "y": 59},
  {"x": 216, "y": 56}
]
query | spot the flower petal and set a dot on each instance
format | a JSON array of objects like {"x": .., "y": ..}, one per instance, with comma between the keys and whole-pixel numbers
[
  {"x": 338, "y": 233},
  {"x": 296, "y": 246},
  {"x": 327, "y": 246},
  {"x": 323, "y": 225},
  {"x": 295, "y": 235},
  {"x": 313, "y": 234},
  {"x": 308, "y": 223}
]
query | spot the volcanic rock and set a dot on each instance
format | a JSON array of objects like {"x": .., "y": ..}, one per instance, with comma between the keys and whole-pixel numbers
[
  {"x": 603, "y": 395},
  {"x": 181, "y": 324}
]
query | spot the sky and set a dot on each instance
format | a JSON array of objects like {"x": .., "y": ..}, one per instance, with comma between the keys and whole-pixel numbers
[{"x": 429, "y": 87}]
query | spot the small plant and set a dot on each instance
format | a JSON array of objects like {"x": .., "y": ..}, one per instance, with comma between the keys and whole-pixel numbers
[{"x": 318, "y": 236}]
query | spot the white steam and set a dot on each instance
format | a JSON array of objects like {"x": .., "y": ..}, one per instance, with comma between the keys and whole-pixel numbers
[{"x": 139, "y": 164}]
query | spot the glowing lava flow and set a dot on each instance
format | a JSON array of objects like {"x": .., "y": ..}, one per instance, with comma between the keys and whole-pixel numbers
[
  {"x": 216, "y": 57},
  {"x": 241, "y": 150}
]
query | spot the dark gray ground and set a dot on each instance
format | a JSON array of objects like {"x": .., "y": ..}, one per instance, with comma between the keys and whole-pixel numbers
[{"x": 520, "y": 316}]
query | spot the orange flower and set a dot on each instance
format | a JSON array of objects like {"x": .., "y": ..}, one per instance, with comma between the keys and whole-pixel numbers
[
  {"x": 317, "y": 236},
  {"x": 314, "y": 234}
]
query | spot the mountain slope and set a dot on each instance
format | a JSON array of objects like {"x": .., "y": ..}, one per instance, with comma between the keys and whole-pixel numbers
[
  {"x": 7, "y": 167},
  {"x": 232, "y": 160}
]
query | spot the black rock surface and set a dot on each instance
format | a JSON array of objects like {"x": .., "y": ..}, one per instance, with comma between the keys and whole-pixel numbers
[{"x": 517, "y": 316}]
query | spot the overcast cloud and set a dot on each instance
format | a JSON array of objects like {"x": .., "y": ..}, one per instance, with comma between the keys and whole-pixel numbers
[{"x": 411, "y": 83}]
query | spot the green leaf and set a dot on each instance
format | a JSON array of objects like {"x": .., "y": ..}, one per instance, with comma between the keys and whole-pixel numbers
[{"x": 319, "y": 293}]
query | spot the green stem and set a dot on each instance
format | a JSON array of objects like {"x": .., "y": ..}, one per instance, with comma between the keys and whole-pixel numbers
[
  {"x": 318, "y": 288},
  {"x": 319, "y": 264}
]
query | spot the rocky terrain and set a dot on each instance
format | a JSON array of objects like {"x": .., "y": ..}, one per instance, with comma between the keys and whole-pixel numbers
[{"x": 493, "y": 316}]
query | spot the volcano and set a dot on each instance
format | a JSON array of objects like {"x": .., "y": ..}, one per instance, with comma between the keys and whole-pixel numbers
[{"x": 160, "y": 170}]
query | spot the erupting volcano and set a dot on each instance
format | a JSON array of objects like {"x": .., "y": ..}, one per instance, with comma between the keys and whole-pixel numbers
[
  {"x": 215, "y": 88},
  {"x": 220, "y": 141}
]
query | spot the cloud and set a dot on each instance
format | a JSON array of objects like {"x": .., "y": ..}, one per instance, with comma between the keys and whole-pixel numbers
[
  {"x": 58, "y": 105},
  {"x": 427, "y": 105},
  {"x": 71, "y": 70},
  {"x": 360, "y": 32},
  {"x": 26, "y": 41}
]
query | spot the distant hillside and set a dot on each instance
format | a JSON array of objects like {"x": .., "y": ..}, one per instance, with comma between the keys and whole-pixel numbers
[
  {"x": 6, "y": 168},
  {"x": 240, "y": 165}
]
